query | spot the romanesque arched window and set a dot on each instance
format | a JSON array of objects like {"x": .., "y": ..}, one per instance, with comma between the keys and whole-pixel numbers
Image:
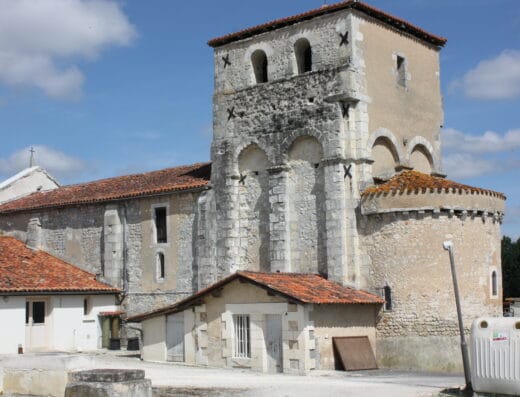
[
  {"x": 303, "y": 52},
  {"x": 494, "y": 283},
  {"x": 161, "y": 270},
  {"x": 260, "y": 66}
]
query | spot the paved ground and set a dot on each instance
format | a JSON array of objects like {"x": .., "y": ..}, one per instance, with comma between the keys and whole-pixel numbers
[{"x": 181, "y": 380}]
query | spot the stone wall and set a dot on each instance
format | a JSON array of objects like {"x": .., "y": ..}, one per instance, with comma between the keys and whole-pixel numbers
[
  {"x": 406, "y": 252},
  {"x": 109, "y": 239}
]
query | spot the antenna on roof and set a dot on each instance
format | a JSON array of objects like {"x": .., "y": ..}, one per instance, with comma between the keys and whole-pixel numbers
[{"x": 31, "y": 158}]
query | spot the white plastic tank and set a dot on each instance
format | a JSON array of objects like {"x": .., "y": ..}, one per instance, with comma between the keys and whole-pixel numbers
[{"x": 495, "y": 355}]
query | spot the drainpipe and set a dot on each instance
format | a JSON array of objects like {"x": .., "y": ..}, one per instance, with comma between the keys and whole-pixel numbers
[
  {"x": 125, "y": 251},
  {"x": 448, "y": 246}
]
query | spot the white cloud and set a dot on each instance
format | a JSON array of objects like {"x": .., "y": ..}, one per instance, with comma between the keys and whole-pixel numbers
[
  {"x": 40, "y": 40},
  {"x": 464, "y": 165},
  {"x": 488, "y": 142},
  {"x": 493, "y": 79},
  {"x": 59, "y": 164},
  {"x": 468, "y": 155}
]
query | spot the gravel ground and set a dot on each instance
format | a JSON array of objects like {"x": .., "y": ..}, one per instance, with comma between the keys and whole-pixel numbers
[{"x": 182, "y": 380}]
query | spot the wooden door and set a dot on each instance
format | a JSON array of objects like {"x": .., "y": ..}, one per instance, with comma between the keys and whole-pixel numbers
[
  {"x": 273, "y": 341},
  {"x": 175, "y": 337},
  {"x": 36, "y": 319}
]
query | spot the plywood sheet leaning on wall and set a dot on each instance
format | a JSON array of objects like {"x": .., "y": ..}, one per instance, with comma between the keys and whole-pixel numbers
[{"x": 354, "y": 353}]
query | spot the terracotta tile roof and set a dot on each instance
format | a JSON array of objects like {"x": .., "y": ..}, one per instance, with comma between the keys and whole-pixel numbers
[
  {"x": 297, "y": 287},
  {"x": 122, "y": 187},
  {"x": 23, "y": 270},
  {"x": 417, "y": 182},
  {"x": 380, "y": 15}
]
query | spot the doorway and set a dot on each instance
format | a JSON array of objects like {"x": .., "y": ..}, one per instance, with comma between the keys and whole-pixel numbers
[
  {"x": 273, "y": 341},
  {"x": 37, "y": 324},
  {"x": 175, "y": 337}
]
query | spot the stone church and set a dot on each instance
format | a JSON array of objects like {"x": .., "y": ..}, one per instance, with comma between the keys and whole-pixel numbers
[{"x": 325, "y": 160}]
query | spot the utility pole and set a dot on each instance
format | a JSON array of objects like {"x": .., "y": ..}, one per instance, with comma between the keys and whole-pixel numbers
[
  {"x": 448, "y": 246},
  {"x": 31, "y": 158}
]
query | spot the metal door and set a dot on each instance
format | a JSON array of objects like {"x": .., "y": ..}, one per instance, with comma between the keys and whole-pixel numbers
[
  {"x": 273, "y": 341},
  {"x": 175, "y": 337}
]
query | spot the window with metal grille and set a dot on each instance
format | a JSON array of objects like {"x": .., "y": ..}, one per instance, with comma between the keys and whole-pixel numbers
[
  {"x": 160, "y": 225},
  {"x": 242, "y": 336}
]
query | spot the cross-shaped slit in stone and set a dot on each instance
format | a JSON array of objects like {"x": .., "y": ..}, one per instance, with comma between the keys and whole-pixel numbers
[
  {"x": 231, "y": 113},
  {"x": 226, "y": 60},
  {"x": 344, "y": 39},
  {"x": 347, "y": 171}
]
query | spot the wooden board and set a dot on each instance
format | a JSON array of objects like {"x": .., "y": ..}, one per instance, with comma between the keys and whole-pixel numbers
[{"x": 354, "y": 352}]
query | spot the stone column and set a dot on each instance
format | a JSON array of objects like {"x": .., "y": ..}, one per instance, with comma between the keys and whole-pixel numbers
[
  {"x": 279, "y": 244},
  {"x": 335, "y": 219}
]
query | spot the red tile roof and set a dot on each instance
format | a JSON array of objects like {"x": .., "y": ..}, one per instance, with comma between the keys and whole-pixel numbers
[
  {"x": 297, "y": 287},
  {"x": 122, "y": 187},
  {"x": 23, "y": 270},
  {"x": 417, "y": 182},
  {"x": 380, "y": 15}
]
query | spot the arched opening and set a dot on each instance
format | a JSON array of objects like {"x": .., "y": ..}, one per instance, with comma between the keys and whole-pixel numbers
[
  {"x": 385, "y": 158},
  {"x": 494, "y": 283},
  {"x": 303, "y": 52},
  {"x": 421, "y": 159},
  {"x": 260, "y": 66},
  {"x": 161, "y": 268},
  {"x": 306, "y": 211},
  {"x": 253, "y": 197}
]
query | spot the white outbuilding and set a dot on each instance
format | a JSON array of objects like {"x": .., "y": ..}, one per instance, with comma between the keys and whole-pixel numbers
[{"x": 47, "y": 304}]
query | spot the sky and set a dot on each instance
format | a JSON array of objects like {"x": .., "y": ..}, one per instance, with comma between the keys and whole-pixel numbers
[{"x": 106, "y": 87}]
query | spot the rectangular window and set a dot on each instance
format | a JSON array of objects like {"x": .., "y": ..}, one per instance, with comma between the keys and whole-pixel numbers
[
  {"x": 242, "y": 336},
  {"x": 160, "y": 225},
  {"x": 386, "y": 294},
  {"x": 401, "y": 71},
  {"x": 86, "y": 306},
  {"x": 27, "y": 305},
  {"x": 38, "y": 312}
]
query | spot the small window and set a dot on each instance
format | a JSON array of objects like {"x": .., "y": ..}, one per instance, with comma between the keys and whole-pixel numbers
[
  {"x": 86, "y": 306},
  {"x": 242, "y": 336},
  {"x": 38, "y": 312},
  {"x": 27, "y": 306},
  {"x": 260, "y": 66},
  {"x": 386, "y": 294},
  {"x": 494, "y": 283},
  {"x": 303, "y": 52},
  {"x": 160, "y": 266},
  {"x": 401, "y": 71},
  {"x": 160, "y": 225}
]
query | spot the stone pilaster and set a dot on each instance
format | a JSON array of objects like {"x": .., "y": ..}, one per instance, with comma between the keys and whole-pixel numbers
[
  {"x": 279, "y": 248},
  {"x": 228, "y": 238},
  {"x": 335, "y": 216}
]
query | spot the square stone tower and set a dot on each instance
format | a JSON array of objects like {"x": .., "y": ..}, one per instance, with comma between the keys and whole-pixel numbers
[{"x": 308, "y": 111}]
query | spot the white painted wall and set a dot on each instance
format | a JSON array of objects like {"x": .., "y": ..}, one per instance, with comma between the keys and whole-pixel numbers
[
  {"x": 12, "y": 324},
  {"x": 26, "y": 182},
  {"x": 69, "y": 329}
]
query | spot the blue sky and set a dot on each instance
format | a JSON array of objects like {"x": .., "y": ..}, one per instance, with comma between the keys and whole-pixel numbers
[{"x": 106, "y": 87}]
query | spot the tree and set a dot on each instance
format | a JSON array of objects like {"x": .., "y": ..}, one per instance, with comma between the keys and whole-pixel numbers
[{"x": 511, "y": 267}]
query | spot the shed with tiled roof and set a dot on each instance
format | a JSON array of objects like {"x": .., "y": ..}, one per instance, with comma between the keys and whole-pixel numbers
[{"x": 271, "y": 322}]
